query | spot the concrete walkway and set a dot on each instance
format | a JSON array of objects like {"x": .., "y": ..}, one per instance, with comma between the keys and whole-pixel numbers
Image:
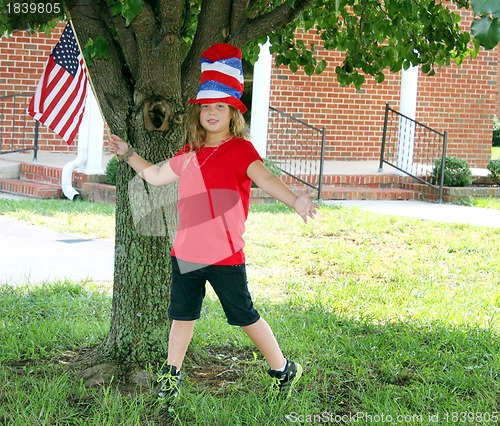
[
  {"x": 448, "y": 213},
  {"x": 33, "y": 254}
]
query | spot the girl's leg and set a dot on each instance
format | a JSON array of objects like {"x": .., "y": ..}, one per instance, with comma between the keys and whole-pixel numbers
[
  {"x": 181, "y": 333},
  {"x": 262, "y": 336}
]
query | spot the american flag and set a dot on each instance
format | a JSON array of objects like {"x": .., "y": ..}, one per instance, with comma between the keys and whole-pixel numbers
[{"x": 59, "y": 99}]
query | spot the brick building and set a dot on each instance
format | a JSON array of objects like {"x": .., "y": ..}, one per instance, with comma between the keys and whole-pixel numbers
[{"x": 461, "y": 101}]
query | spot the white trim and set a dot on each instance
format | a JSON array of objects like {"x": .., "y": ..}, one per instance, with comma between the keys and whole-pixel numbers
[
  {"x": 224, "y": 69},
  {"x": 211, "y": 94}
]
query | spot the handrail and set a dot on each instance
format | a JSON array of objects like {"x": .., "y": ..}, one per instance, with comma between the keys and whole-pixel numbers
[
  {"x": 297, "y": 148},
  {"x": 412, "y": 148},
  {"x": 17, "y": 133}
]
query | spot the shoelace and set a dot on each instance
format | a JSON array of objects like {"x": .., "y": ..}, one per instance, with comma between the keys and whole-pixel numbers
[
  {"x": 167, "y": 380},
  {"x": 277, "y": 383}
]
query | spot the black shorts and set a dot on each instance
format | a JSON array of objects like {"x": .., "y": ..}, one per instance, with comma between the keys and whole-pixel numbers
[{"x": 228, "y": 282}]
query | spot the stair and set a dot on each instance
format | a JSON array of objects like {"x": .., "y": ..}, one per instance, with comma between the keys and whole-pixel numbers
[
  {"x": 360, "y": 193},
  {"x": 34, "y": 180},
  {"x": 376, "y": 186},
  {"x": 42, "y": 181},
  {"x": 30, "y": 188},
  {"x": 368, "y": 187}
]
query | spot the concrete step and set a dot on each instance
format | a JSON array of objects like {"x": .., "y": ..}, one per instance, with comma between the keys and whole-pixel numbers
[
  {"x": 9, "y": 170},
  {"x": 30, "y": 188}
]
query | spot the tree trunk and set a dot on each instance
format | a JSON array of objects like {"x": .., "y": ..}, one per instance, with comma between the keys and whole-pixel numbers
[{"x": 139, "y": 91}]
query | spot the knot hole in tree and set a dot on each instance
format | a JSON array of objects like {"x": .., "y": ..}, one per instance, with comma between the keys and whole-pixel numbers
[{"x": 157, "y": 114}]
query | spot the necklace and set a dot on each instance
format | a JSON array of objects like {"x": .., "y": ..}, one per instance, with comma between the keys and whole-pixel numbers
[{"x": 209, "y": 155}]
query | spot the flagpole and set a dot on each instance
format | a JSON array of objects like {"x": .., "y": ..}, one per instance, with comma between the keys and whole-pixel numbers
[{"x": 88, "y": 72}]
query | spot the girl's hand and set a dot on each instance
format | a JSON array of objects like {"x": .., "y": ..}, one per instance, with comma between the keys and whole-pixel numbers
[
  {"x": 305, "y": 207},
  {"x": 117, "y": 146}
]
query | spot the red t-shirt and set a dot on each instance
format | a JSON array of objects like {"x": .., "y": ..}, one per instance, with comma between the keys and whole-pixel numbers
[{"x": 214, "y": 197}]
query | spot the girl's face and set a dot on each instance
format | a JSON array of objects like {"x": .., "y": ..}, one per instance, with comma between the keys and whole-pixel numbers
[{"x": 215, "y": 118}]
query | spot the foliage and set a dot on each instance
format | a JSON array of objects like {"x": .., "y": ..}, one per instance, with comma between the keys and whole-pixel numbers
[
  {"x": 111, "y": 170},
  {"x": 457, "y": 172},
  {"x": 494, "y": 168},
  {"x": 374, "y": 35},
  {"x": 496, "y": 132},
  {"x": 486, "y": 26},
  {"x": 484, "y": 203}
]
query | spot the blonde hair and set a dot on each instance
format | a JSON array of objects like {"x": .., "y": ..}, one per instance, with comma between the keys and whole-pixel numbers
[{"x": 197, "y": 134}]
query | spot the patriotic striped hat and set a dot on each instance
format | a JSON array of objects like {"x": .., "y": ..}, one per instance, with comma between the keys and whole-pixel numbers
[{"x": 221, "y": 77}]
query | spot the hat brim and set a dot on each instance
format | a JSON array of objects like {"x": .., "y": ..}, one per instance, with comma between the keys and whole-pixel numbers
[{"x": 240, "y": 106}]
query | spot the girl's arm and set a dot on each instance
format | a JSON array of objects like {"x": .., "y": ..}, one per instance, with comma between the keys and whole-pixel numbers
[
  {"x": 276, "y": 188},
  {"x": 150, "y": 173}
]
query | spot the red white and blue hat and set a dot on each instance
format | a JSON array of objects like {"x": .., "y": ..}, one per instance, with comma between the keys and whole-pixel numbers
[{"x": 221, "y": 76}]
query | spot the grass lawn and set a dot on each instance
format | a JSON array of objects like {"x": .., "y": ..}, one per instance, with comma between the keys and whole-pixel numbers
[{"x": 395, "y": 320}]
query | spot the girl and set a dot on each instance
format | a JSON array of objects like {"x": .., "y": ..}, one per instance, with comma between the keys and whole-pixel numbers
[{"x": 215, "y": 171}]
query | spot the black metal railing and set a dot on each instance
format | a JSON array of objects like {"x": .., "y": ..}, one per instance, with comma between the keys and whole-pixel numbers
[
  {"x": 413, "y": 148},
  {"x": 18, "y": 131},
  {"x": 297, "y": 148}
]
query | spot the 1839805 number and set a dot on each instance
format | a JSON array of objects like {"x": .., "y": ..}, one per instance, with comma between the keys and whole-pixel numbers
[{"x": 32, "y": 7}]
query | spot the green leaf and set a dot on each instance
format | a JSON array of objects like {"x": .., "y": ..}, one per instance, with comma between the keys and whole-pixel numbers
[
  {"x": 487, "y": 31},
  {"x": 101, "y": 47},
  {"x": 131, "y": 10},
  {"x": 426, "y": 68},
  {"x": 320, "y": 67},
  {"x": 309, "y": 69},
  {"x": 358, "y": 80},
  {"x": 115, "y": 7},
  {"x": 486, "y": 7}
]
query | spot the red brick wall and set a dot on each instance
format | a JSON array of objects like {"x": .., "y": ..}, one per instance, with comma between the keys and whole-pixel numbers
[
  {"x": 22, "y": 59},
  {"x": 461, "y": 101}
]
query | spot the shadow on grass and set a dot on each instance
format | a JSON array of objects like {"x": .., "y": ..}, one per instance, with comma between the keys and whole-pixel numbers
[{"x": 354, "y": 367}]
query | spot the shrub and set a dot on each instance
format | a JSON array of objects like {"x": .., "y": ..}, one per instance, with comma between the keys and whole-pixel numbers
[
  {"x": 273, "y": 168},
  {"x": 494, "y": 168},
  {"x": 456, "y": 172},
  {"x": 496, "y": 131},
  {"x": 111, "y": 170}
]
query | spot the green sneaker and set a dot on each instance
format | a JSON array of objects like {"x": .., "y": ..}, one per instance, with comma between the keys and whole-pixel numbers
[
  {"x": 284, "y": 381},
  {"x": 169, "y": 380}
]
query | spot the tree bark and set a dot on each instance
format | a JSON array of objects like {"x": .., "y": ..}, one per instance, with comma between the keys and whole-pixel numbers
[{"x": 139, "y": 91}]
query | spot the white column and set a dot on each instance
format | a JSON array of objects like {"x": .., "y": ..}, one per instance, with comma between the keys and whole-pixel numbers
[
  {"x": 408, "y": 107},
  {"x": 260, "y": 99}
]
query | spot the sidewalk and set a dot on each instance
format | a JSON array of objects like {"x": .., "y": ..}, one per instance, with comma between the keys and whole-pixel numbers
[
  {"x": 33, "y": 254},
  {"x": 448, "y": 213}
]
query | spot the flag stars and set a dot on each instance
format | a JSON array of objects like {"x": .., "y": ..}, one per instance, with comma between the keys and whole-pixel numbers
[{"x": 66, "y": 52}]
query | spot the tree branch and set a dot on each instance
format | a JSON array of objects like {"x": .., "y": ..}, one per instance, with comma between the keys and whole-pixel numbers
[
  {"x": 268, "y": 22},
  {"x": 238, "y": 15},
  {"x": 213, "y": 27}
]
